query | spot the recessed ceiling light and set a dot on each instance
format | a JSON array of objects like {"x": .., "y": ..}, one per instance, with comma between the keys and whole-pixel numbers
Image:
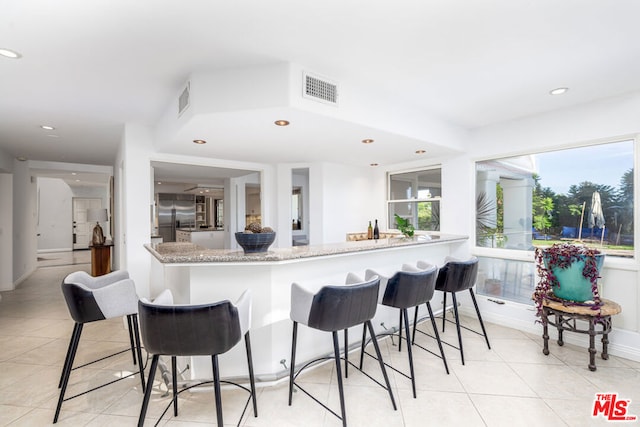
[
  {"x": 281, "y": 123},
  {"x": 77, "y": 180},
  {"x": 8, "y": 53},
  {"x": 73, "y": 173},
  {"x": 47, "y": 127},
  {"x": 559, "y": 91},
  {"x": 373, "y": 164},
  {"x": 21, "y": 158},
  {"x": 159, "y": 183},
  {"x": 420, "y": 151},
  {"x": 367, "y": 141},
  {"x": 199, "y": 141}
]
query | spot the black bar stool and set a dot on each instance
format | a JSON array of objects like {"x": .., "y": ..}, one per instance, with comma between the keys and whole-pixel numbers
[
  {"x": 90, "y": 299},
  {"x": 195, "y": 330},
  {"x": 407, "y": 288},
  {"x": 458, "y": 276},
  {"x": 331, "y": 309}
]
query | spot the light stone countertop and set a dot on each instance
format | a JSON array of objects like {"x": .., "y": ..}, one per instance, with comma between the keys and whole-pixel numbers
[{"x": 179, "y": 253}]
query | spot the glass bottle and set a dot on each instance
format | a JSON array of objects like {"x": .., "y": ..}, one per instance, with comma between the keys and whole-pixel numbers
[
  {"x": 370, "y": 231},
  {"x": 376, "y": 231}
]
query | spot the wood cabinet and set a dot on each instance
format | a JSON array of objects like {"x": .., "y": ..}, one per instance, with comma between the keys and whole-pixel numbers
[{"x": 101, "y": 259}]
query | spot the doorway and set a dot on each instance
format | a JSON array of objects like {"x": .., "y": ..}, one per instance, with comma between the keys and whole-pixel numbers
[{"x": 82, "y": 230}]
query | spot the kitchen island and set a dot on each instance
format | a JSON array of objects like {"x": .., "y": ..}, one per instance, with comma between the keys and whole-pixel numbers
[
  {"x": 210, "y": 238},
  {"x": 197, "y": 275}
]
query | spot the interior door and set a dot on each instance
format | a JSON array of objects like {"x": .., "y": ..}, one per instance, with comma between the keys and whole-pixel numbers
[{"x": 83, "y": 230}]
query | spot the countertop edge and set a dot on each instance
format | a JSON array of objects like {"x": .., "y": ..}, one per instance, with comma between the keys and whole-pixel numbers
[{"x": 189, "y": 253}]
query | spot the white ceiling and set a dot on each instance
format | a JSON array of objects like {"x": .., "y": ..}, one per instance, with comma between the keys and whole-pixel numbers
[{"x": 88, "y": 67}]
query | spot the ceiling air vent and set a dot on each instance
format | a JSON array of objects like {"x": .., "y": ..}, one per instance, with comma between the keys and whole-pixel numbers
[
  {"x": 183, "y": 100},
  {"x": 319, "y": 89}
]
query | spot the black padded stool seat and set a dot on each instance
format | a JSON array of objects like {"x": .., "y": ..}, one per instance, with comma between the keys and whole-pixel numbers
[
  {"x": 330, "y": 309},
  {"x": 91, "y": 299},
  {"x": 195, "y": 330},
  {"x": 458, "y": 276},
  {"x": 407, "y": 288}
]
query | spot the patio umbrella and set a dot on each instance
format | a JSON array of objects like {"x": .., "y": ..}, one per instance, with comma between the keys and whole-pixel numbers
[{"x": 596, "y": 216}]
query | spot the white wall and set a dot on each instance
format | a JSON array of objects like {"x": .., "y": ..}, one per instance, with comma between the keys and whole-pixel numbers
[
  {"x": 133, "y": 204},
  {"x": 24, "y": 222},
  {"x": 54, "y": 219},
  {"x": 6, "y": 227}
]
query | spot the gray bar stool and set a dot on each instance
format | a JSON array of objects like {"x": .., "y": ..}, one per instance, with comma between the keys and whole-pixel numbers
[
  {"x": 90, "y": 299},
  {"x": 195, "y": 330},
  {"x": 407, "y": 288},
  {"x": 458, "y": 276},
  {"x": 331, "y": 309}
]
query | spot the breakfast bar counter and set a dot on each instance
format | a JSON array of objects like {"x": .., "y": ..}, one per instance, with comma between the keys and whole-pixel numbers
[{"x": 197, "y": 275}]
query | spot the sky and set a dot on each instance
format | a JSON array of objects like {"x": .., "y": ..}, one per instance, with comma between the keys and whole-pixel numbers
[{"x": 600, "y": 164}]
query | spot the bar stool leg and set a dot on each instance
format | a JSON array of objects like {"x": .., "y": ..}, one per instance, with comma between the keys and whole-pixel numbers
[
  {"x": 136, "y": 332},
  {"x": 174, "y": 380},
  {"x": 409, "y": 351},
  {"x": 444, "y": 309},
  {"x": 435, "y": 330},
  {"x": 363, "y": 343},
  {"x": 336, "y": 352},
  {"x": 252, "y": 380},
  {"x": 133, "y": 352},
  {"x": 65, "y": 380},
  {"x": 455, "y": 312},
  {"x": 66, "y": 359},
  {"x": 400, "y": 332},
  {"x": 216, "y": 389},
  {"x": 346, "y": 353},
  {"x": 147, "y": 392},
  {"x": 293, "y": 360},
  {"x": 475, "y": 304},
  {"x": 379, "y": 355}
]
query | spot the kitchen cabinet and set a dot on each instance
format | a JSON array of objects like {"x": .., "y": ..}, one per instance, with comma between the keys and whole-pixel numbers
[
  {"x": 202, "y": 215},
  {"x": 183, "y": 236}
]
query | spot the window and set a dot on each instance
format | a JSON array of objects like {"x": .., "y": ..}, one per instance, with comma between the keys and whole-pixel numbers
[
  {"x": 539, "y": 199},
  {"x": 416, "y": 196}
]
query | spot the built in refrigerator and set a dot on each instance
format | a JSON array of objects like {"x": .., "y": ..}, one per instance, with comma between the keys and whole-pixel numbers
[{"x": 175, "y": 211}]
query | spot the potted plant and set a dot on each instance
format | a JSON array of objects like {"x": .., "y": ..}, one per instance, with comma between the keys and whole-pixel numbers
[
  {"x": 568, "y": 272},
  {"x": 404, "y": 226}
]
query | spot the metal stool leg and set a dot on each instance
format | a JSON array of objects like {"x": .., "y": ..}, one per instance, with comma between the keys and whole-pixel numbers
[
  {"x": 247, "y": 343},
  {"x": 147, "y": 392},
  {"x": 409, "y": 351},
  {"x": 437, "y": 335},
  {"x": 336, "y": 352},
  {"x": 475, "y": 304},
  {"x": 216, "y": 389},
  {"x": 136, "y": 332},
  {"x": 66, "y": 359},
  {"x": 293, "y": 360},
  {"x": 130, "y": 327},
  {"x": 174, "y": 383},
  {"x": 75, "y": 339},
  {"x": 379, "y": 355},
  {"x": 346, "y": 353},
  {"x": 444, "y": 310},
  {"x": 455, "y": 312}
]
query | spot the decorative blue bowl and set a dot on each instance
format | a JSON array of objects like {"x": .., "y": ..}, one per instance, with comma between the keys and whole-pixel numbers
[{"x": 255, "y": 242}]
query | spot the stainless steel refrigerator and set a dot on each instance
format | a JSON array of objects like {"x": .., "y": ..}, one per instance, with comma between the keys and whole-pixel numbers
[{"x": 175, "y": 211}]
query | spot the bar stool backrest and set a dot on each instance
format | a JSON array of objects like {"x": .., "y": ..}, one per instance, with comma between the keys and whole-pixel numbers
[
  {"x": 456, "y": 276},
  {"x": 339, "y": 307},
  {"x": 410, "y": 288},
  {"x": 90, "y": 299},
  {"x": 189, "y": 330}
]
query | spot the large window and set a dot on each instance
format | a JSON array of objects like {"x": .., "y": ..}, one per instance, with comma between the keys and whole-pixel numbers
[
  {"x": 416, "y": 196},
  {"x": 583, "y": 194}
]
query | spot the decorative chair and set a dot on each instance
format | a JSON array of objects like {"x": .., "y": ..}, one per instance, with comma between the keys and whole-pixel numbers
[
  {"x": 331, "y": 309},
  {"x": 90, "y": 299},
  {"x": 458, "y": 276},
  {"x": 404, "y": 289},
  {"x": 195, "y": 330}
]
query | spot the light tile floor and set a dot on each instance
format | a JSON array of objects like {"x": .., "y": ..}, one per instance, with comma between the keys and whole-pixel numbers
[{"x": 513, "y": 384}]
